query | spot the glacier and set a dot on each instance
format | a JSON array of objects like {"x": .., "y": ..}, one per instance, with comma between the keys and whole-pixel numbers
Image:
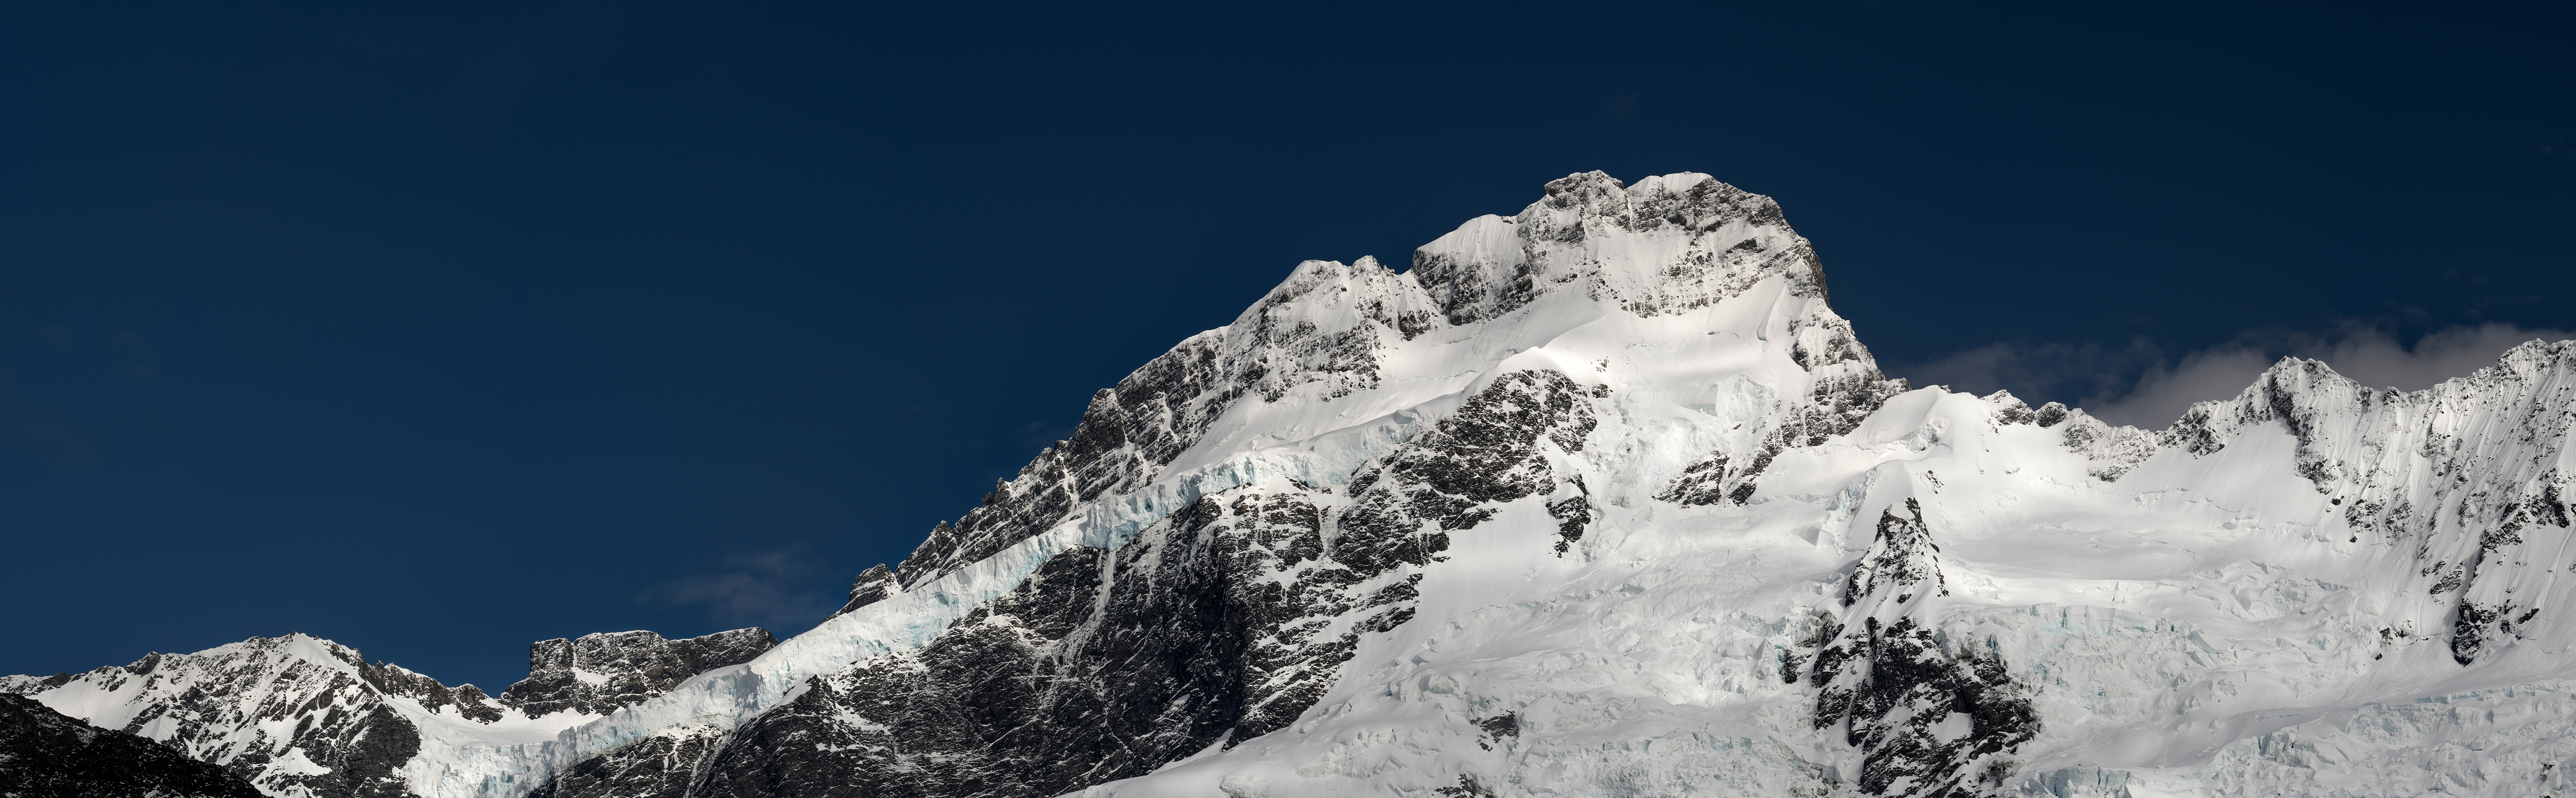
[{"x": 1602, "y": 499}]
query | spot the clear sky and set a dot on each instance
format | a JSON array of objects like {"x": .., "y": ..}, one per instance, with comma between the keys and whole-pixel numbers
[{"x": 437, "y": 331}]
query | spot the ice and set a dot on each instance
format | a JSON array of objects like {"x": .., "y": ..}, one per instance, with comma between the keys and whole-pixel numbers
[{"x": 2313, "y": 588}]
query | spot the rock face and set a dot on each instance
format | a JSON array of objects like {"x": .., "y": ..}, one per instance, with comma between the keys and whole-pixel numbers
[
  {"x": 662, "y": 764},
  {"x": 1223, "y": 622},
  {"x": 300, "y": 716},
  {"x": 600, "y": 672},
  {"x": 1326, "y": 332},
  {"x": 1598, "y": 499},
  {"x": 44, "y": 754},
  {"x": 1230, "y": 617},
  {"x": 1894, "y": 687},
  {"x": 2470, "y": 477},
  {"x": 291, "y": 715}
]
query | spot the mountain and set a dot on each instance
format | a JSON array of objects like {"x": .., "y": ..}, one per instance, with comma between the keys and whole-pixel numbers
[
  {"x": 1601, "y": 499},
  {"x": 45, "y": 754},
  {"x": 301, "y": 716}
]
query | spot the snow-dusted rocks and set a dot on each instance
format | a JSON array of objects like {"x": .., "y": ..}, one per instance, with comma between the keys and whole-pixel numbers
[
  {"x": 301, "y": 716},
  {"x": 2470, "y": 476},
  {"x": 293, "y": 715},
  {"x": 600, "y": 672},
  {"x": 1928, "y": 718},
  {"x": 45, "y": 754},
  {"x": 1601, "y": 499}
]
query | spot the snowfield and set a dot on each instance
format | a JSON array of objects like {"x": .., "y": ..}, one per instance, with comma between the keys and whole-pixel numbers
[{"x": 1604, "y": 499}]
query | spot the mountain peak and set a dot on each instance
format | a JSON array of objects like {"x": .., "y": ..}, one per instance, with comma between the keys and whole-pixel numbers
[
  {"x": 1666, "y": 244},
  {"x": 1598, "y": 496}
]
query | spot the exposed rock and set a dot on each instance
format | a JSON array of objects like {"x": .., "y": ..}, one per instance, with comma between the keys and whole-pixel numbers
[
  {"x": 1568, "y": 509},
  {"x": 661, "y": 765},
  {"x": 44, "y": 754},
  {"x": 310, "y": 718},
  {"x": 599, "y": 672},
  {"x": 1231, "y": 616},
  {"x": 231, "y": 706},
  {"x": 1889, "y": 681},
  {"x": 2459, "y": 474},
  {"x": 872, "y": 586}
]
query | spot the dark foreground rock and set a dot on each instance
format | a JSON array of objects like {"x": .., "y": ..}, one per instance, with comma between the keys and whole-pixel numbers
[{"x": 45, "y": 754}]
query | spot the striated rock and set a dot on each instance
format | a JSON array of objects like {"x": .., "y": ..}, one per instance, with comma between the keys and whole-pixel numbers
[{"x": 664, "y": 764}]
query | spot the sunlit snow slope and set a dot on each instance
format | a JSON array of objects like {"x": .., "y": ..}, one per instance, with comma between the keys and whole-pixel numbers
[{"x": 1604, "y": 499}]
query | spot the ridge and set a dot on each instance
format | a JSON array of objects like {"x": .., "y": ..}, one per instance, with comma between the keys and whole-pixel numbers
[{"x": 1598, "y": 498}]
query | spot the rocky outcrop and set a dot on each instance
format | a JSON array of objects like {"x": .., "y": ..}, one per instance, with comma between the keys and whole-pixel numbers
[
  {"x": 2112, "y": 450},
  {"x": 1569, "y": 508},
  {"x": 232, "y": 706},
  {"x": 1846, "y": 387},
  {"x": 872, "y": 586},
  {"x": 1320, "y": 335},
  {"x": 1717, "y": 240},
  {"x": 310, "y": 718},
  {"x": 1227, "y": 619},
  {"x": 1932, "y": 715},
  {"x": 2465, "y": 475},
  {"x": 663, "y": 764},
  {"x": 1317, "y": 336},
  {"x": 1224, "y": 622},
  {"x": 597, "y": 673},
  {"x": 44, "y": 754}
]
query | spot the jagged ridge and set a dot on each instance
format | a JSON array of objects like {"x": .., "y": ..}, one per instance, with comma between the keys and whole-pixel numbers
[{"x": 1602, "y": 498}]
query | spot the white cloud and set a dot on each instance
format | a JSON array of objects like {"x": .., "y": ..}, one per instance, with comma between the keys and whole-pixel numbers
[
  {"x": 2162, "y": 393},
  {"x": 2377, "y": 360},
  {"x": 2137, "y": 385}
]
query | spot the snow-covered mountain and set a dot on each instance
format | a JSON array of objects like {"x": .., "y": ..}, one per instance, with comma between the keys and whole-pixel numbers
[
  {"x": 301, "y": 716},
  {"x": 44, "y": 754},
  {"x": 1601, "y": 499}
]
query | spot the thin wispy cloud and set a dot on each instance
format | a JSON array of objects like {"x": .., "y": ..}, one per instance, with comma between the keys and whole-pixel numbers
[
  {"x": 2164, "y": 391},
  {"x": 2141, "y": 385},
  {"x": 2041, "y": 371},
  {"x": 783, "y": 588}
]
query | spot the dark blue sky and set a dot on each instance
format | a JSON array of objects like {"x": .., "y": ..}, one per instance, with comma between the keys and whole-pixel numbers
[{"x": 440, "y": 331}]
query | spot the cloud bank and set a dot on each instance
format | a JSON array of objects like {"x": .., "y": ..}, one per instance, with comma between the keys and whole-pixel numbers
[{"x": 2139, "y": 385}]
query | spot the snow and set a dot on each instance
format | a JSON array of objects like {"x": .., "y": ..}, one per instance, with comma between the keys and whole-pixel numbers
[
  {"x": 726, "y": 697},
  {"x": 2204, "y": 621},
  {"x": 1668, "y": 360},
  {"x": 2199, "y": 626}
]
